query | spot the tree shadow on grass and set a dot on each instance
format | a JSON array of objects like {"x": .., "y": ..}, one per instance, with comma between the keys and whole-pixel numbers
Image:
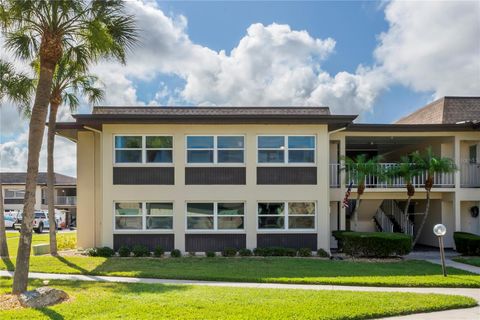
[
  {"x": 72, "y": 265},
  {"x": 8, "y": 263},
  {"x": 51, "y": 314}
]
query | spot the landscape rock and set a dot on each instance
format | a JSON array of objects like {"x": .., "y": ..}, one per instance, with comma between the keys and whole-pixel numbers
[{"x": 42, "y": 297}]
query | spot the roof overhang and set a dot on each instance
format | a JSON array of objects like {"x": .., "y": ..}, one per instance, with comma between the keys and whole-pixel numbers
[{"x": 366, "y": 127}]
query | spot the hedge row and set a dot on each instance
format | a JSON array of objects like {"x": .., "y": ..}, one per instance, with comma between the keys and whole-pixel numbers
[
  {"x": 142, "y": 251},
  {"x": 467, "y": 243},
  {"x": 373, "y": 244}
]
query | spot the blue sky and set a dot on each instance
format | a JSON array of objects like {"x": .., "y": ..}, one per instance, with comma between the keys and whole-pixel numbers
[
  {"x": 355, "y": 25},
  {"x": 379, "y": 59}
]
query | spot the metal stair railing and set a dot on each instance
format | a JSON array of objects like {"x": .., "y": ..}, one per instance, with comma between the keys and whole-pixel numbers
[
  {"x": 386, "y": 225},
  {"x": 391, "y": 208}
]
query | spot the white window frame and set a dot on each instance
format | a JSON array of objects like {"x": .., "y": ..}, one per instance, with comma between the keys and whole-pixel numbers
[
  {"x": 15, "y": 196},
  {"x": 143, "y": 216},
  {"x": 215, "y": 150},
  {"x": 286, "y": 160},
  {"x": 215, "y": 217},
  {"x": 143, "y": 150},
  {"x": 286, "y": 216}
]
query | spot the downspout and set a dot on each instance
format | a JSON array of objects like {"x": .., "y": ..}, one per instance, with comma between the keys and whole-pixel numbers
[{"x": 94, "y": 183}]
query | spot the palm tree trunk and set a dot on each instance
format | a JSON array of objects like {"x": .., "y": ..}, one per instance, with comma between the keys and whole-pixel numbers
[
  {"x": 51, "y": 178},
  {"x": 355, "y": 212},
  {"x": 405, "y": 211},
  {"x": 427, "y": 208},
  {"x": 3, "y": 236},
  {"x": 35, "y": 137}
]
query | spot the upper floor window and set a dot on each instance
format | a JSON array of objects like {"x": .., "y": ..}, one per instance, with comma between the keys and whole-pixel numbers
[
  {"x": 14, "y": 194},
  {"x": 286, "y": 149},
  {"x": 215, "y": 149},
  {"x": 143, "y": 215},
  {"x": 143, "y": 149}
]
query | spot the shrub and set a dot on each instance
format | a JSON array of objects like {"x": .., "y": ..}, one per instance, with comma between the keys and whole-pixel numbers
[
  {"x": 92, "y": 252},
  {"x": 105, "y": 252},
  {"x": 124, "y": 251},
  {"x": 210, "y": 254},
  {"x": 338, "y": 235},
  {"x": 245, "y": 252},
  {"x": 140, "y": 251},
  {"x": 322, "y": 253},
  {"x": 158, "y": 251},
  {"x": 305, "y": 252},
  {"x": 66, "y": 242},
  {"x": 467, "y": 243},
  {"x": 229, "y": 252},
  {"x": 175, "y": 253},
  {"x": 274, "y": 252},
  {"x": 374, "y": 244}
]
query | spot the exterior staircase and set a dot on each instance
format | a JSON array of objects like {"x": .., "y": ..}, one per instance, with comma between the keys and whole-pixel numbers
[{"x": 390, "y": 218}]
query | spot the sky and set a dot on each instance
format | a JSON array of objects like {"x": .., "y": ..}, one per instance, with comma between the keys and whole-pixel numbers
[{"x": 378, "y": 59}]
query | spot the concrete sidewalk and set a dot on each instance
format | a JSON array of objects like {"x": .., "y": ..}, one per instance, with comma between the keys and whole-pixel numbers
[
  {"x": 459, "y": 314},
  {"x": 434, "y": 257}
]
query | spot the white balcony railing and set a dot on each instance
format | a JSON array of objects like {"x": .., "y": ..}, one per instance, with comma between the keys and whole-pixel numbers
[
  {"x": 440, "y": 180},
  {"x": 470, "y": 175},
  {"x": 66, "y": 200}
]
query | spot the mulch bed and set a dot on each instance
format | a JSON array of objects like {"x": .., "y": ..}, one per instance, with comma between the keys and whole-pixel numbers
[{"x": 9, "y": 302}]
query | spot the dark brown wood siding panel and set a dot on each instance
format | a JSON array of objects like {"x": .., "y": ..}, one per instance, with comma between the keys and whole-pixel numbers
[
  {"x": 144, "y": 175},
  {"x": 215, "y": 175},
  {"x": 287, "y": 240},
  {"x": 13, "y": 201},
  {"x": 151, "y": 241},
  {"x": 286, "y": 175},
  {"x": 214, "y": 242}
]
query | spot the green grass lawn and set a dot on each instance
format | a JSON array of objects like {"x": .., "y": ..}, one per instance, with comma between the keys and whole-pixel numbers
[
  {"x": 474, "y": 261},
  {"x": 148, "y": 301},
  {"x": 12, "y": 239},
  {"x": 257, "y": 269}
]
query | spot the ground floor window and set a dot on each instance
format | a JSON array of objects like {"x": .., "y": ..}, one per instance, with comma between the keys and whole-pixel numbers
[
  {"x": 286, "y": 215},
  {"x": 143, "y": 215},
  {"x": 215, "y": 215}
]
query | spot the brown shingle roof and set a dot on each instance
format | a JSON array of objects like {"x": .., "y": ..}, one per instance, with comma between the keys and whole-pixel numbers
[
  {"x": 215, "y": 111},
  {"x": 447, "y": 110},
  {"x": 21, "y": 177}
]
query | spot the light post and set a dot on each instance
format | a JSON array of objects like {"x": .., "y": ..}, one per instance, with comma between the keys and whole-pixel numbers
[{"x": 440, "y": 230}]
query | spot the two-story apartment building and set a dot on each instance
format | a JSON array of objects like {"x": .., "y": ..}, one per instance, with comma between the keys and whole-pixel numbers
[
  {"x": 207, "y": 178},
  {"x": 13, "y": 188}
]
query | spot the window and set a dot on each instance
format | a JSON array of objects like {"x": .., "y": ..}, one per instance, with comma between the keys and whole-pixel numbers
[
  {"x": 143, "y": 216},
  {"x": 472, "y": 150},
  {"x": 215, "y": 149},
  {"x": 14, "y": 194},
  {"x": 143, "y": 149},
  {"x": 286, "y": 149},
  {"x": 215, "y": 215},
  {"x": 286, "y": 215}
]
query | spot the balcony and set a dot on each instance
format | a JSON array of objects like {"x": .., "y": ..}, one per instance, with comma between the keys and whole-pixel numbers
[
  {"x": 470, "y": 175},
  {"x": 443, "y": 180},
  {"x": 66, "y": 200}
]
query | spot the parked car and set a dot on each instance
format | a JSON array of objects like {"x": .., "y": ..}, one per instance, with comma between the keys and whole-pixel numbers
[
  {"x": 9, "y": 221},
  {"x": 39, "y": 223}
]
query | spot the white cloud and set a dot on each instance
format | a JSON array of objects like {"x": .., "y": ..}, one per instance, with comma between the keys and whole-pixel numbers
[{"x": 432, "y": 46}]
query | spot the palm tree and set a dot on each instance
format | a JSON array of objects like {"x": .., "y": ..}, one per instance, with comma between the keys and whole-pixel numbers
[
  {"x": 358, "y": 169},
  {"x": 431, "y": 165},
  {"x": 45, "y": 29},
  {"x": 406, "y": 169},
  {"x": 17, "y": 88},
  {"x": 69, "y": 81}
]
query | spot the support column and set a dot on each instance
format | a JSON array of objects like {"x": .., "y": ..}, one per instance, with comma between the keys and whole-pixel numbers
[
  {"x": 342, "y": 182},
  {"x": 179, "y": 226},
  {"x": 323, "y": 187},
  {"x": 251, "y": 205}
]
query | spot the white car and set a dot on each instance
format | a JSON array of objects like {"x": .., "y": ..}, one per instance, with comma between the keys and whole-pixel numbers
[
  {"x": 9, "y": 221},
  {"x": 39, "y": 223}
]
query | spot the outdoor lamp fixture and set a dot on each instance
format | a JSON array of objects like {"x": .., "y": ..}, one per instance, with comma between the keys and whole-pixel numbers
[{"x": 440, "y": 230}]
